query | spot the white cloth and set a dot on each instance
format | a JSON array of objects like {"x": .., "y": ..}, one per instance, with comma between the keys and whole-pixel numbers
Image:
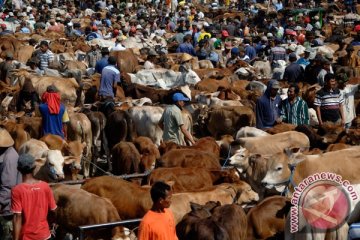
[
  {"x": 149, "y": 65},
  {"x": 348, "y": 106}
]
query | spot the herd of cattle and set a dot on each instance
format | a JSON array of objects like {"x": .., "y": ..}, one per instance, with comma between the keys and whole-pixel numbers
[{"x": 226, "y": 186}]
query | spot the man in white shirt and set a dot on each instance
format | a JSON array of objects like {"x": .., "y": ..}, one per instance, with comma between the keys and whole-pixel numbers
[{"x": 347, "y": 91}]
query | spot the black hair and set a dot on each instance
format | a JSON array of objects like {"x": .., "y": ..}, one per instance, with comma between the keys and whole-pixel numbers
[
  {"x": 112, "y": 60},
  {"x": 158, "y": 190},
  {"x": 296, "y": 87},
  {"x": 328, "y": 77},
  {"x": 44, "y": 43}
]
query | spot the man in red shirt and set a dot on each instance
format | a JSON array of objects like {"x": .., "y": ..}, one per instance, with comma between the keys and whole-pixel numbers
[{"x": 30, "y": 203}]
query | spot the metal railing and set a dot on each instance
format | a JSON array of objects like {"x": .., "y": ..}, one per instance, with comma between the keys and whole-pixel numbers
[{"x": 82, "y": 229}]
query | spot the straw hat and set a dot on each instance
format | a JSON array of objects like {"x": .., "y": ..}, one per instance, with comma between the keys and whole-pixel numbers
[
  {"x": 5, "y": 138},
  {"x": 186, "y": 57}
]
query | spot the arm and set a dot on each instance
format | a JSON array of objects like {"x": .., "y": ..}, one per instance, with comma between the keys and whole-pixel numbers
[
  {"x": 115, "y": 83},
  {"x": 259, "y": 115},
  {"x": 306, "y": 113},
  {"x": 187, "y": 134},
  {"x": 318, "y": 114},
  {"x": 17, "y": 222},
  {"x": 9, "y": 178},
  {"x": 283, "y": 112},
  {"x": 342, "y": 114}
]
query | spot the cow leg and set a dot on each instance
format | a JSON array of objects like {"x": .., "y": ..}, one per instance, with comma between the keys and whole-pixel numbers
[{"x": 104, "y": 143}]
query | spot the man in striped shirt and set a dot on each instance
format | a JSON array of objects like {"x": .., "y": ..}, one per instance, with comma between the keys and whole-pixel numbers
[
  {"x": 328, "y": 102},
  {"x": 45, "y": 56},
  {"x": 294, "y": 109}
]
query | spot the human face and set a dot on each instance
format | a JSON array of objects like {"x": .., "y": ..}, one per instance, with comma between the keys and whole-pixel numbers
[
  {"x": 331, "y": 84},
  {"x": 166, "y": 202},
  {"x": 273, "y": 92},
  {"x": 181, "y": 103},
  {"x": 43, "y": 48},
  {"x": 291, "y": 93}
]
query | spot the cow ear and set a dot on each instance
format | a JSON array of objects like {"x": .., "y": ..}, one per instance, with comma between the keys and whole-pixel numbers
[
  {"x": 69, "y": 160},
  {"x": 84, "y": 144},
  {"x": 170, "y": 183},
  {"x": 195, "y": 206}
]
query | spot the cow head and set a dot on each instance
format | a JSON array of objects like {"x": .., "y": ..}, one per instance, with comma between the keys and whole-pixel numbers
[
  {"x": 74, "y": 152},
  {"x": 278, "y": 170},
  {"x": 240, "y": 159},
  {"x": 191, "y": 77},
  {"x": 57, "y": 161},
  {"x": 244, "y": 194}
]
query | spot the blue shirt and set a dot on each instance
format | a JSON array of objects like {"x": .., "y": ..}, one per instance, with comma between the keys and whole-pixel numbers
[
  {"x": 186, "y": 48},
  {"x": 91, "y": 36},
  {"x": 250, "y": 51},
  {"x": 103, "y": 62},
  {"x": 109, "y": 76},
  {"x": 52, "y": 123}
]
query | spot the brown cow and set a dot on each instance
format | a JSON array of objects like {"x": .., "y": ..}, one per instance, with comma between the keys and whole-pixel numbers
[
  {"x": 188, "y": 158},
  {"x": 206, "y": 144},
  {"x": 17, "y": 132},
  {"x": 212, "y": 85},
  {"x": 233, "y": 218},
  {"x": 336, "y": 147},
  {"x": 267, "y": 219},
  {"x": 279, "y": 128},
  {"x": 33, "y": 125},
  {"x": 193, "y": 179},
  {"x": 71, "y": 212},
  {"x": 133, "y": 201},
  {"x": 231, "y": 117},
  {"x": 125, "y": 158},
  {"x": 79, "y": 128},
  {"x": 149, "y": 153},
  {"x": 126, "y": 60}
]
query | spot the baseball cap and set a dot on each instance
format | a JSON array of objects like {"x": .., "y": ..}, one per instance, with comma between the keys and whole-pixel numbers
[
  {"x": 179, "y": 97},
  {"x": 224, "y": 33},
  {"x": 26, "y": 163}
]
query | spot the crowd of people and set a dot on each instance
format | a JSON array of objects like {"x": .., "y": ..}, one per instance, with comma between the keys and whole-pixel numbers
[{"x": 250, "y": 35}]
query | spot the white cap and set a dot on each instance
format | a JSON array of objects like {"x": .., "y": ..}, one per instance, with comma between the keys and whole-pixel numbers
[
  {"x": 31, "y": 16},
  {"x": 269, "y": 35},
  {"x": 11, "y": 14},
  {"x": 70, "y": 24},
  {"x": 205, "y": 24},
  {"x": 316, "y": 17}
]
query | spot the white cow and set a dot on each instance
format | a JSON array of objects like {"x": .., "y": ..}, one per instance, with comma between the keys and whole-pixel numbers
[
  {"x": 250, "y": 132},
  {"x": 42, "y": 154},
  {"x": 164, "y": 78}
]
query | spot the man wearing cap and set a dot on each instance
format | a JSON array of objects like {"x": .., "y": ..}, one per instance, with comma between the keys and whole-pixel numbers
[
  {"x": 305, "y": 60},
  {"x": 5, "y": 68},
  {"x": 294, "y": 73},
  {"x": 110, "y": 77},
  {"x": 234, "y": 57},
  {"x": 172, "y": 122},
  {"x": 31, "y": 202},
  {"x": 329, "y": 102},
  {"x": 9, "y": 177},
  {"x": 53, "y": 112},
  {"x": 268, "y": 106},
  {"x": 103, "y": 62}
]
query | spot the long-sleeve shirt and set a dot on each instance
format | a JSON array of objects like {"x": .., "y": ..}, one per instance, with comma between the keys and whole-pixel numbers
[
  {"x": 9, "y": 177},
  {"x": 296, "y": 113}
]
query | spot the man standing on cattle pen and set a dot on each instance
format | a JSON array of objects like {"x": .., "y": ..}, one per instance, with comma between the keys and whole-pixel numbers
[
  {"x": 30, "y": 203},
  {"x": 53, "y": 112},
  {"x": 268, "y": 106},
  {"x": 9, "y": 177},
  {"x": 110, "y": 77},
  {"x": 172, "y": 122},
  {"x": 158, "y": 223},
  {"x": 294, "y": 109},
  {"x": 329, "y": 102}
]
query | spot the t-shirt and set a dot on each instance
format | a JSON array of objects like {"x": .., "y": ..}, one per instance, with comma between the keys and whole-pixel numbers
[
  {"x": 45, "y": 58},
  {"x": 172, "y": 120},
  {"x": 109, "y": 76},
  {"x": 158, "y": 226},
  {"x": 52, "y": 123},
  {"x": 33, "y": 201},
  {"x": 329, "y": 103}
]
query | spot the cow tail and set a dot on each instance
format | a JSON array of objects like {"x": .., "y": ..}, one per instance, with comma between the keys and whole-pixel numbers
[
  {"x": 82, "y": 132},
  {"x": 130, "y": 135}
]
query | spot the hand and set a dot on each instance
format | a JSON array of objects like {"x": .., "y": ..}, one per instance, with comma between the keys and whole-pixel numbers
[
  {"x": 278, "y": 120},
  {"x": 342, "y": 122}
]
